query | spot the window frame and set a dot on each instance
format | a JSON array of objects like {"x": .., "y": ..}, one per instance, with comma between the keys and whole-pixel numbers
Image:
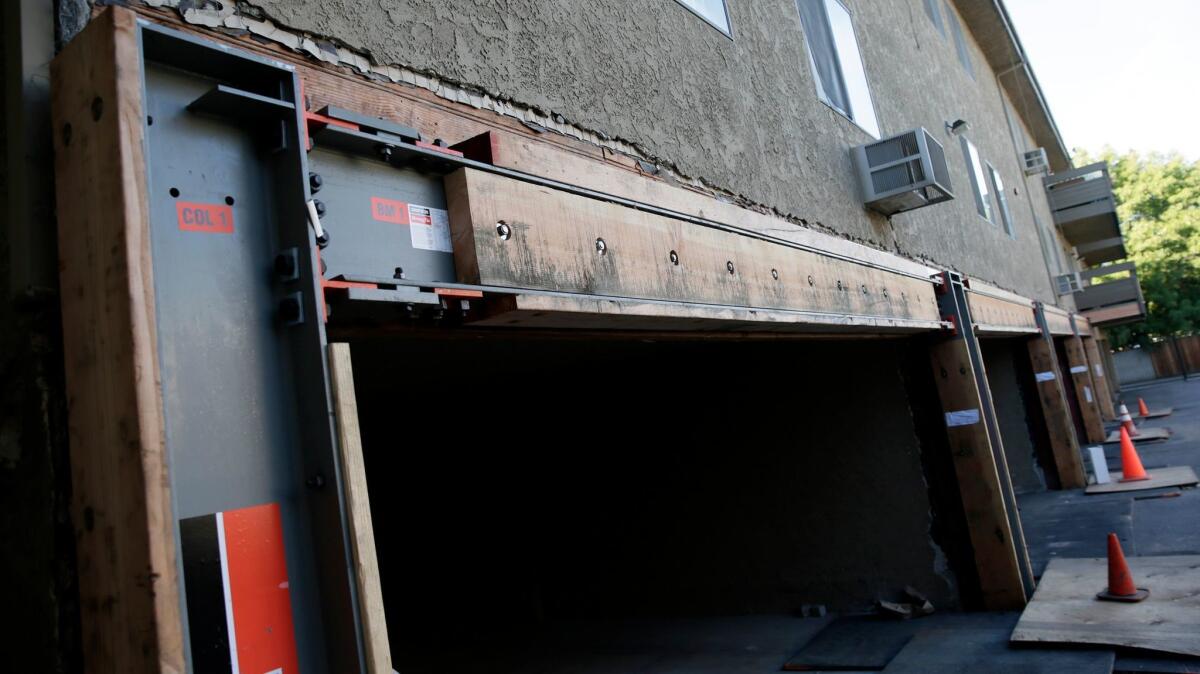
[
  {"x": 979, "y": 178},
  {"x": 1001, "y": 200},
  {"x": 960, "y": 38},
  {"x": 728, "y": 19},
  {"x": 877, "y": 132}
]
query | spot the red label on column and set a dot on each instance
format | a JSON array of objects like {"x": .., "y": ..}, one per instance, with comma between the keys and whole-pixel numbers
[
  {"x": 194, "y": 217},
  {"x": 389, "y": 210}
]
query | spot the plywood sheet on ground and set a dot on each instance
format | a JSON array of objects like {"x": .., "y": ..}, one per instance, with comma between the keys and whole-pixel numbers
[
  {"x": 1171, "y": 476},
  {"x": 1154, "y": 414},
  {"x": 988, "y": 651},
  {"x": 1064, "y": 609},
  {"x": 1144, "y": 435}
]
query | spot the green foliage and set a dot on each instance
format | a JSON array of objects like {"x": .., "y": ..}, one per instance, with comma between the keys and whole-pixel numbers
[{"x": 1158, "y": 201}]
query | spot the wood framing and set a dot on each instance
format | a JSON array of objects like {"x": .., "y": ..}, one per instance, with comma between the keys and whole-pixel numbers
[
  {"x": 1059, "y": 322},
  {"x": 1089, "y": 408},
  {"x": 518, "y": 235},
  {"x": 1104, "y": 393},
  {"x": 975, "y": 465},
  {"x": 358, "y": 505},
  {"x": 999, "y": 315},
  {"x": 121, "y": 502},
  {"x": 1057, "y": 414}
]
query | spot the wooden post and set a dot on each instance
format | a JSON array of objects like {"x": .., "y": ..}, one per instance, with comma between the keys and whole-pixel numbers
[
  {"x": 362, "y": 531},
  {"x": 1096, "y": 369},
  {"x": 988, "y": 501},
  {"x": 121, "y": 503},
  {"x": 1088, "y": 407},
  {"x": 1059, "y": 426}
]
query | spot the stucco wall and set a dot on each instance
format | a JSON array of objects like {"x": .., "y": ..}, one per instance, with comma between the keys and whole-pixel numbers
[{"x": 742, "y": 114}]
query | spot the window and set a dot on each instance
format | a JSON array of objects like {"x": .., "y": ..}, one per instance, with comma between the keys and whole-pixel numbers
[
  {"x": 1001, "y": 200},
  {"x": 983, "y": 197},
  {"x": 935, "y": 15},
  {"x": 960, "y": 40},
  {"x": 836, "y": 63},
  {"x": 713, "y": 11}
]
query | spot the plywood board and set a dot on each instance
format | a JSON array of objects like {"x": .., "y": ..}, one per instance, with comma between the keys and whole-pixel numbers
[
  {"x": 1064, "y": 609},
  {"x": 1060, "y": 428},
  {"x": 514, "y": 234},
  {"x": 1001, "y": 316},
  {"x": 1155, "y": 414},
  {"x": 1144, "y": 435},
  {"x": 988, "y": 651},
  {"x": 1171, "y": 476},
  {"x": 1058, "y": 321},
  {"x": 1085, "y": 391}
]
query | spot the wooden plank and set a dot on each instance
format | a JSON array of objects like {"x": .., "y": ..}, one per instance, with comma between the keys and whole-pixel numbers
[
  {"x": 995, "y": 315},
  {"x": 1170, "y": 476},
  {"x": 121, "y": 502},
  {"x": 1104, "y": 393},
  {"x": 561, "y": 242},
  {"x": 1155, "y": 414},
  {"x": 1064, "y": 608},
  {"x": 1117, "y": 312},
  {"x": 358, "y": 506},
  {"x": 1089, "y": 408},
  {"x": 1058, "y": 321},
  {"x": 1057, "y": 414},
  {"x": 607, "y": 313},
  {"x": 978, "y": 478},
  {"x": 1144, "y": 435}
]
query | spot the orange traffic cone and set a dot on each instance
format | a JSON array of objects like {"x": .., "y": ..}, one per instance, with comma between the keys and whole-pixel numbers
[
  {"x": 1131, "y": 465},
  {"x": 1120, "y": 581},
  {"x": 1143, "y": 411},
  {"x": 1126, "y": 420}
]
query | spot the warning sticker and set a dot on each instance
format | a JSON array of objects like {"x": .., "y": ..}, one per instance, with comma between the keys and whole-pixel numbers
[
  {"x": 1099, "y": 371},
  {"x": 428, "y": 227},
  {"x": 194, "y": 217},
  {"x": 1078, "y": 369},
  {"x": 1044, "y": 376},
  {"x": 1087, "y": 393}
]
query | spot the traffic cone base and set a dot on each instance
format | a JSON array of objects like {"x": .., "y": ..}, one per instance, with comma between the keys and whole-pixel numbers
[
  {"x": 1141, "y": 594},
  {"x": 1142, "y": 409}
]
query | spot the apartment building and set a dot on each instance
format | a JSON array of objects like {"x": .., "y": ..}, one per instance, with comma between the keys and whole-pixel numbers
[{"x": 659, "y": 311}]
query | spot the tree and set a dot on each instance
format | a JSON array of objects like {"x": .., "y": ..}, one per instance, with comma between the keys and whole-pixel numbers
[{"x": 1158, "y": 202}]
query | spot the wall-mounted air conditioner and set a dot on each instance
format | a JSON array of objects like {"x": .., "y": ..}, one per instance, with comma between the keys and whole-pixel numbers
[
  {"x": 1068, "y": 283},
  {"x": 1036, "y": 162},
  {"x": 902, "y": 172}
]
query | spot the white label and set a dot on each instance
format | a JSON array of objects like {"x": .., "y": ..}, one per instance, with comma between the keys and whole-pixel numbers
[
  {"x": 1099, "y": 370},
  {"x": 1044, "y": 376},
  {"x": 962, "y": 418},
  {"x": 1099, "y": 465},
  {"x": 1087, "y": 393},
  {"x": 430, "y": 228},
  {"x": 1079, "y": 368}
]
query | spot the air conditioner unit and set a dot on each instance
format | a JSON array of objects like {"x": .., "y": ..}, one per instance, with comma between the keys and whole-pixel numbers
[
  {"x": 1036, "y": 162},
  {"x": 902, "y": 172},
  {"x": 1068, "y": 283}
]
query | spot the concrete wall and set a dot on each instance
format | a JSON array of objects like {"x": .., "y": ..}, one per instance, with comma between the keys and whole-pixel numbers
[
  {"x": 741, "y": 114},
  {"x": 582, "y": 479}
]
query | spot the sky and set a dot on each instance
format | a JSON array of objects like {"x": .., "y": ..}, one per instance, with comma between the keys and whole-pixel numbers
[{"x": 1122, "y": 73}]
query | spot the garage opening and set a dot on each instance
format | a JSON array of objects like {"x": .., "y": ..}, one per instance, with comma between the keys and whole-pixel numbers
[{"x": 606, "y": 503}]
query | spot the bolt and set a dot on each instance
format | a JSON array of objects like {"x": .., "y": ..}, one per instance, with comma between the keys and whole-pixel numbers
[
  {"x": 775, "y": 274},
  {"x": 316, "y": 481},
  {"x": 320, "y": 206},
  {"x": 315, "y": 181},
  {"x": 285, "y": 265},
  {"x": 399, "y": 273},
  {"x": 729, "y": 266},
  {"x": 674, "y": 258},
  {"x": 385, "y": 152},
  {"x": 810, "y": 279},
  {"x": 839, "y": 285},
  {"x": 503, "y": 230},
  {"x": 290, "y": 310},
  {"x": 438, "y": 142},
  {"x": 601, "y": 247},
  {"x": 864, "y": 288}
]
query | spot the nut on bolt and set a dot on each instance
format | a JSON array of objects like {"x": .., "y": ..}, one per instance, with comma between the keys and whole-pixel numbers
[{"x": 315, "y": 181}]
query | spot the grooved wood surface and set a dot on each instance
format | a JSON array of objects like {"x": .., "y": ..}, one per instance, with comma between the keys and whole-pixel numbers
[
  {"x": 1061, "y": 429},
  {"x": 1000, "y": 316}
]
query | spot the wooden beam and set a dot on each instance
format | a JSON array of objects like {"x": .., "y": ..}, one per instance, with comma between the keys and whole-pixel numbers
[
  {"x": 975, "y": 464},
  {"x": 1089, "y": 408},
  {"x": 1096, "y": 368},
  {"x": 994, "y": 315},
  {"x": 1059, "y": 322},
  {"x": 1057, "y": 414},
  {"x": 515, "y": 234},
  {"x": 358, "y": 506},
  {"x": 121, "y": 502}
]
